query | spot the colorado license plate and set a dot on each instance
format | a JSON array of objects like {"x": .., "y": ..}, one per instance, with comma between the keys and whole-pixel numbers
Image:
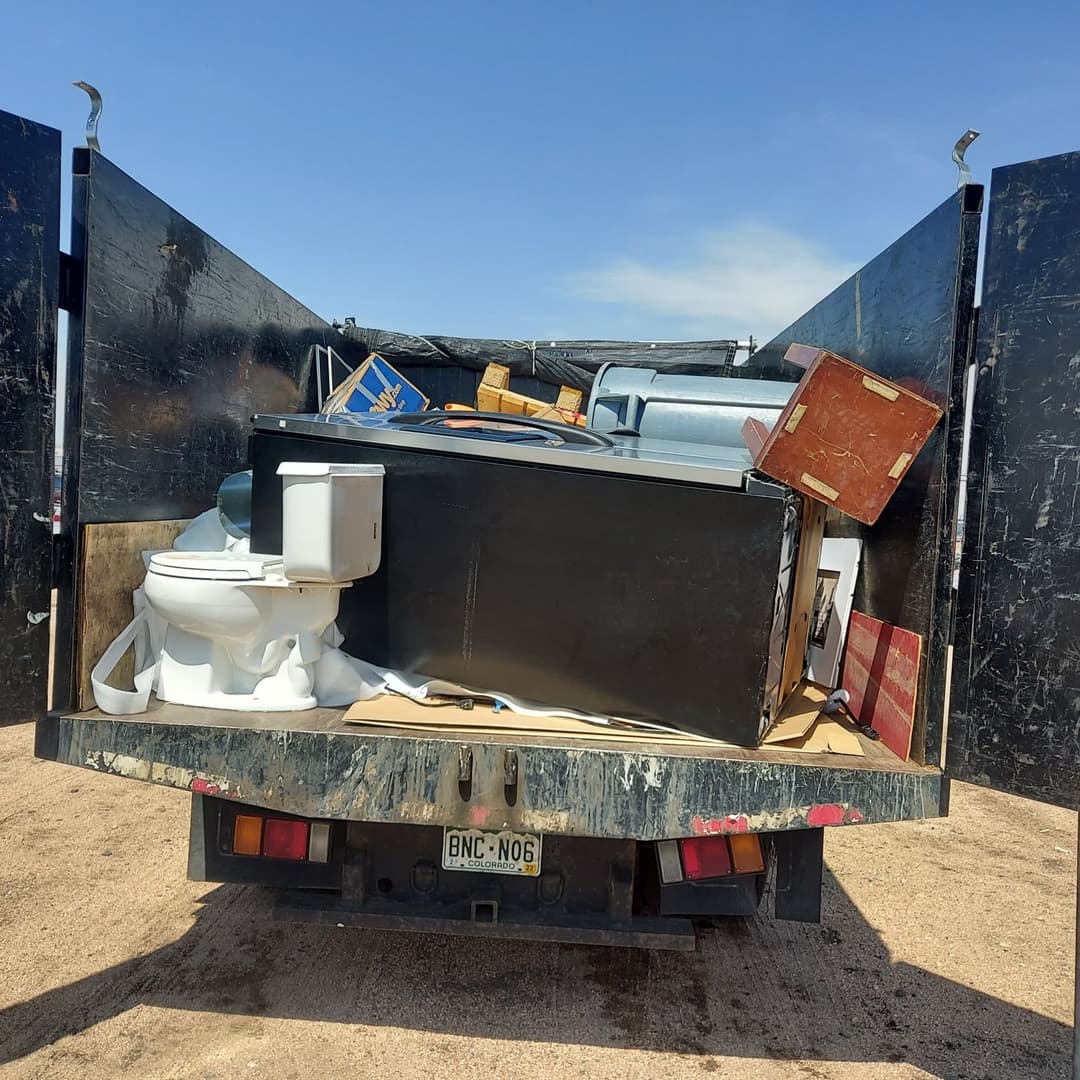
[{"x": 491, "y": 851}]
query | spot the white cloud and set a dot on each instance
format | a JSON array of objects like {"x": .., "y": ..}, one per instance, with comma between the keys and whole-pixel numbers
[{"x": 746, "y": 278}]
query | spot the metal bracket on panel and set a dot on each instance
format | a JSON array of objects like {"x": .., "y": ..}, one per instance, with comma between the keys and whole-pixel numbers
[
  {"x": 759, "y": 484},
  {"x": 621, "y": 892},
  {"x": 94, "y": 117},
  {"x": 510, "y": 776},
  {"x": 485, "y": 911},
  {"x": 465, "y": 764},
  {"x": 959, "y": 150},
  {"x": 71, "y": 273},
  {"x": 465, "y": 771}
]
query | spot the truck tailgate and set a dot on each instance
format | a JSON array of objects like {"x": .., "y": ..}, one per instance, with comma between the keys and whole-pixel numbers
[{"x": 316, "y": 765}]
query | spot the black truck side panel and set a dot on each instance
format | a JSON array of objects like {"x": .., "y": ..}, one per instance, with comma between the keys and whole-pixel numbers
[
  {"x": 1015, "y": 723},
  {"x": 181, "y": 342},
  {"x": 29, "y": 283},
  {"x": 907, "y": 315},
  {"x": 174, "y": 344}
]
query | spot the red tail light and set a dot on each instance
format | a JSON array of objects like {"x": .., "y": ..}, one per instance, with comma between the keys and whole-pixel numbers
[
  {"x": 285, "y": 839},
  {"x": 277, "y": 838},
  {"x": 705, "y": 857}
]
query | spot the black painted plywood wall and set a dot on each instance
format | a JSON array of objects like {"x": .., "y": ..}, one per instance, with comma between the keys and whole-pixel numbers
[
  {"x": 29, "y": 270},
  {"x": 1015, "y": 723}
]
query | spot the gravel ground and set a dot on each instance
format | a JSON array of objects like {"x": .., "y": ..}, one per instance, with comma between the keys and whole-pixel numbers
[{"x": 946, "y": 950}]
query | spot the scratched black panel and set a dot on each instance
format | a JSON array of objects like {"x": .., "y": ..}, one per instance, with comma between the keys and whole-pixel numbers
[
  {"x": 1015, "y": 723},
  {"x": 181, "y": 341},
  {"x": 311, "y": 765},
  {"x": 29, "y": 274},
  {"x": 173, "y": 343},
  {"x": 907, "y": 316}
]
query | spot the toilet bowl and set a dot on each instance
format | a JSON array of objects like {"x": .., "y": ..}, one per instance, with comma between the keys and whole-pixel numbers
[
  {"x": 237, "y": 633},
  {"x": 243, "y": 631}
]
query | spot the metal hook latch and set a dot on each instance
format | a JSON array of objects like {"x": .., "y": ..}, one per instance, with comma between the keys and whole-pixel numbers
[
  {"x": 958, "y": 152},
  {"x": 94, "y": 117}
]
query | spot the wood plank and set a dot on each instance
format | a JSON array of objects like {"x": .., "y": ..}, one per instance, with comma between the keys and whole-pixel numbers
[
  {"x": 110, "y": 570},
  {"x": 802, "y": 594},
  {"x": 492, "y": 399},
  {"x": 881, "y": 673}
]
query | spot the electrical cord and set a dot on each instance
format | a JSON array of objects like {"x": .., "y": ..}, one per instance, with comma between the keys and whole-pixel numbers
[{"x": 466, "y": 704}]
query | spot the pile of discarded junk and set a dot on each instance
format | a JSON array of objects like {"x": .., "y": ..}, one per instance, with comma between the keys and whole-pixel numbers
[{"x": 651, "y": 558}]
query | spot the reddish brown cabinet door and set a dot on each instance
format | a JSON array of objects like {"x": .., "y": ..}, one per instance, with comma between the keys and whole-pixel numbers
[{"x": 847, "y": 437}]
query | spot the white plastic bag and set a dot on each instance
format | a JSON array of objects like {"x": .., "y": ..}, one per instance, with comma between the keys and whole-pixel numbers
[{"x": 144, "y": 633}]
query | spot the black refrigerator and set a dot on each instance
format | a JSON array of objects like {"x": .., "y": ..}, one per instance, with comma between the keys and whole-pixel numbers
[{"x": 628, "y": 577}]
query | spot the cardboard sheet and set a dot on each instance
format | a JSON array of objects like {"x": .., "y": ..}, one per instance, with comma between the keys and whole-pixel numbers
[
  {"x": 797, "y": 716},
  {"x": 827, "y": 736},
  {"x": 391, "y": 710},
  {"x": 802, "y": 726},
  {"x": 399, "y": 713}
]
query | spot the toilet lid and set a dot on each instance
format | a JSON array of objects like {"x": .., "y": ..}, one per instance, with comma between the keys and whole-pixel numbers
[{"x": 214, "y": 565}]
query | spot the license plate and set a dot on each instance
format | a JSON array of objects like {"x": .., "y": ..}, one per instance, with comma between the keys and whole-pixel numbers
[{"x": 491, "y": 851}]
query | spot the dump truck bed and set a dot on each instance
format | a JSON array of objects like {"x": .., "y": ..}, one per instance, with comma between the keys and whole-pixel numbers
[{"x": 316, "y": 764}]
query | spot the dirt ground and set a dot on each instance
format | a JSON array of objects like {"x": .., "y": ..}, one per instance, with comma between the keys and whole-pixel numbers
[{"x": 946, "y": 950}]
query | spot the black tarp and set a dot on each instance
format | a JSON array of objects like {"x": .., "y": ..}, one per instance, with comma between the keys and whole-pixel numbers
[{"x": 449, "y": 368}]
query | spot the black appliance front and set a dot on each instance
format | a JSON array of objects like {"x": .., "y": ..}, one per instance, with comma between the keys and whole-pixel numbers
[{"x": 632, "y": 597}]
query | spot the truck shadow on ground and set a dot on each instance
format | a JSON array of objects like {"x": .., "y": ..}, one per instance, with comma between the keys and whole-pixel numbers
[{"x": 755, "y": 988}]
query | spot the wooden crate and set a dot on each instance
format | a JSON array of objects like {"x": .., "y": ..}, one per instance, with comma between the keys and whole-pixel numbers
[{"x": 496, "y": 399}]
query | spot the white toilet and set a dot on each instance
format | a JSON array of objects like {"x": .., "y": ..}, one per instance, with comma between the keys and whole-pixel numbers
[{"x": 243, "y": 631}]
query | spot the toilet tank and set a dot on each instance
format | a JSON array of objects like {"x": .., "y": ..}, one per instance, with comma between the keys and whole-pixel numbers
[{"x": 331, "y": 520}]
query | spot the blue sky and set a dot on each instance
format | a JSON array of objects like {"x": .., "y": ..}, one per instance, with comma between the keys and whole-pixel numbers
[{"x": 556, "y": 170}]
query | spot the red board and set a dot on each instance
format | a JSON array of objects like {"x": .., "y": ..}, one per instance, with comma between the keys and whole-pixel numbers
[{"x": 881, "y": 673}]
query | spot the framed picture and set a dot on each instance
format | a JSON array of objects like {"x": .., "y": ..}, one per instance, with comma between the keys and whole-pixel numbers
[
  {"x": 833, "y": 594},
  {"x": 824, "y": 607}
]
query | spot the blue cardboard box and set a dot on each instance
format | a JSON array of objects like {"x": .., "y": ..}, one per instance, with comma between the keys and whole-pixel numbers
[{"x": 375, "y": 386}]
